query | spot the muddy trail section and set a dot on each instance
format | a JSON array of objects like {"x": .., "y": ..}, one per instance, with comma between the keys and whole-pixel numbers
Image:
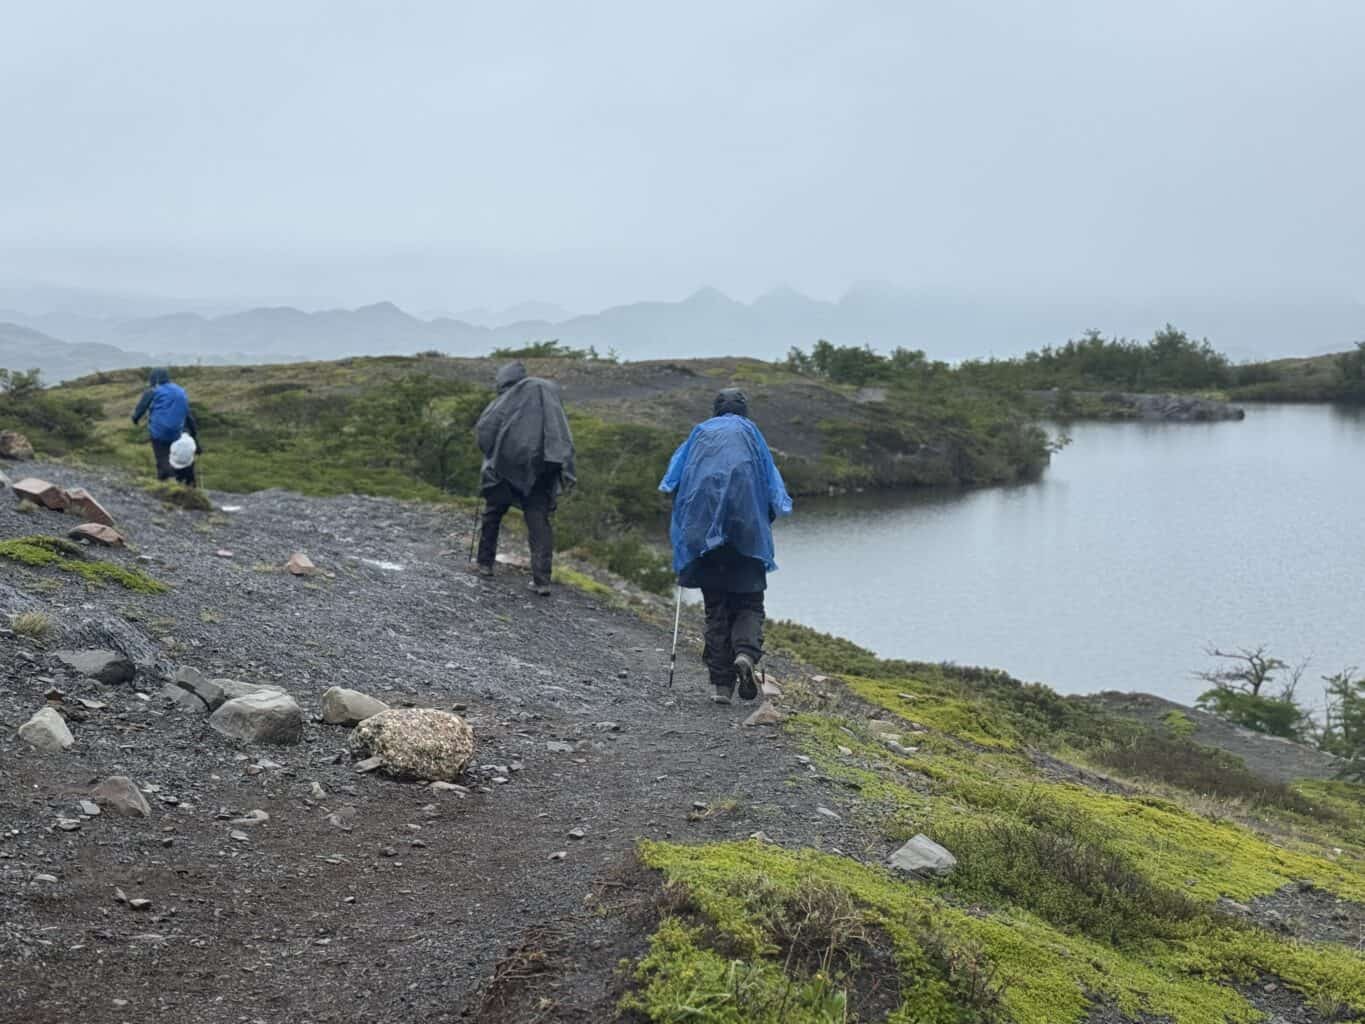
[{"x": 359, "y": 898}]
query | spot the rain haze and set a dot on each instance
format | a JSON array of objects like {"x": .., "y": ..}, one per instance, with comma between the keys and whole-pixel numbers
[{"x": 1156, "y": 161}]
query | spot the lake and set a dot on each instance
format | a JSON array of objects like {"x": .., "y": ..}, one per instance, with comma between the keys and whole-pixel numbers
[{"x": 1141, "y": 545}]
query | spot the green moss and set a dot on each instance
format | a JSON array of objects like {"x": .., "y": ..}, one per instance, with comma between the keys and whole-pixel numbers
[
  {"x": 179, "y": 496},
  {"x": 580, "y": 581},
  {"x": 951, "y": 964},
  {"x": 55, "y": 553}
]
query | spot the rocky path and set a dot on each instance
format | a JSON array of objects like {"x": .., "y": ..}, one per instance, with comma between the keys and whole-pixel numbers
[{"x": 365, "y": 899}]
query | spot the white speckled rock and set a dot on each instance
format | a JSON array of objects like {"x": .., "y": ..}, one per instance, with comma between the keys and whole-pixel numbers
[{"x": 418, "y": 743}]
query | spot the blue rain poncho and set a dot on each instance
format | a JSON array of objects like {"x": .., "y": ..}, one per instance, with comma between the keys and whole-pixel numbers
[{"x": 727, "y": 490}]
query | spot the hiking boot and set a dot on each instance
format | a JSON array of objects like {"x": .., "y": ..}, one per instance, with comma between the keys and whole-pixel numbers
[
  {"x": 724, "y": 695},
  {"x": 744, "y": 670},
  {"x": 541, "y": 589},
  {"x": 486, "y": 571}
]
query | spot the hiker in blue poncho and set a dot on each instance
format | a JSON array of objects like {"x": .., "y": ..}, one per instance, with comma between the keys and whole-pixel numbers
[
  {"x": 726, "y": 493},
  {"x": 167, "y": 409}
]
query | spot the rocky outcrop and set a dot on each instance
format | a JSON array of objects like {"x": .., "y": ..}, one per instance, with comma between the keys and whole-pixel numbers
[
  {"x": 41, "y": 493},
  {"x": 417, "y": 743},
  {"x": 1127, "y": 405},
  {"x": 265, "y": 717},
  {"x": 47, "y": 731}
]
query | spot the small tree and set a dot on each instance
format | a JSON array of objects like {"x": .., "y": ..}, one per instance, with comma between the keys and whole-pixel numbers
[
  {"x": 1239, "y": 693},
  {"x": 1343, "y": 727},
  {"x": 20, "y": 383}
]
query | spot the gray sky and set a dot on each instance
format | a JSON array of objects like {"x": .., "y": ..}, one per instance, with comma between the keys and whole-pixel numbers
[{"x": 451, "y": 154}]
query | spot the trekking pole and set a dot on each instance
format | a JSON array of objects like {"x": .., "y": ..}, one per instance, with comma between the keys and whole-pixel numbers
[
  {"x": 474, "y": 531},
  {"x": 677, "y": 618}
]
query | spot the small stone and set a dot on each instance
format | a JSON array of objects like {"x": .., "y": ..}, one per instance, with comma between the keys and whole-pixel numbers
[
  {"x": 47, "y": 730},
  {"x": 897, "y": 748},
  {"x": 69, "y": 824},
  {"x": 699, "y": 805},
  {"x": 349, "y": 707},
  {"x": 91, "y": 705},
  {"x": 771, "y": 689},
  {"x": 120, "y": 896},
  {"x": 578, "y": 833},
  {"x": 559, "y": 747},
  {"x": 300, "y": 564},
  {"x": 81, "y": 501},
  {"x": 223, "y": 553},
  {"x": 389, "y": 851},
  {"x": 369, "y": 764},
  {"x": 98, "y": 533},
  {"x": 923, "y": 857},
  {"x": 89, "y": 808},
  {"x": 826, "y": 812},
  {"x": 317, "y": 792},
  {"x": 48, "y": 879},
  {"x": 559, "y": 855},
  {"x": 140, "y": 904},
  {"x": 256, "y": 817},
  {"x": 119, "y": 795},
  {"x": 846, "y": 751},
  {"x": 265, "y": 717},
  {"x": 238, "y": 836},
  {"x": 109, "y": 667},
  {"x": 766, "y": 714},
  {"x": 761, "y": 837},
  {"x": 41, "y": 493},
  {"x": 500, "y": 780},
  {"x": 802, "y": 759},
  {"x": 449, "y": 787}
]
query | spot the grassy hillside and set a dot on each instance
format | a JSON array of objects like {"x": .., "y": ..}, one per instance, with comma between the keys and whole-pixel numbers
[
  {"x": 402, "y": 427},
  {"x": 1099, "y": 861}
]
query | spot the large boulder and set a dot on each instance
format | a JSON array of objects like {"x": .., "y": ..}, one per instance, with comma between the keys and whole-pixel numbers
[
  {"x": 923, "y": 857},
  {"x": 341, "y": 706},
  {"x": 214, "y": 692},
  {"x": 47, "y": 731},
  {"x": 40, "y": 492},
  {"x": 83, "y": 503},
  {"x": 15, "y": 446},
  {"x": 118, "y": 795},
  {"x": 417, "y": 743},
  {"x": 265, "y": 717},
  {"x": 105, "y": 666}
]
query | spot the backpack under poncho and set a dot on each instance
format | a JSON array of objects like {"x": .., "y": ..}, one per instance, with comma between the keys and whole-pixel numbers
[{"x": 727, "y": 490}]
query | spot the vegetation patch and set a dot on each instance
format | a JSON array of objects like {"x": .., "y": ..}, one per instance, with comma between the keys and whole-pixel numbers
[
  {"x": 178, "y": 496},
  {"x": 55, "y": 553},
  {"x": 36, "y": 626}
]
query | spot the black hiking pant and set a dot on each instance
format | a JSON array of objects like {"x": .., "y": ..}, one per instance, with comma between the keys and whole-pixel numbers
[
  {"x": 537, "y": 508},
  {"x": 161, "y": 451},
  {"x": 734, "y": 625}
]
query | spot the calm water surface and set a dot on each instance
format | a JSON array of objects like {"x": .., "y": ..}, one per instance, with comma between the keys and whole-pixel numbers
[{"x": 1141, "y": 545}]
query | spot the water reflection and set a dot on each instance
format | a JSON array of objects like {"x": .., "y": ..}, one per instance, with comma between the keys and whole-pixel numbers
[{"x": 1142, "y": 544}]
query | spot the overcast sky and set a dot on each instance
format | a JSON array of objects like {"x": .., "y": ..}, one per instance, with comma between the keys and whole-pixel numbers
[{"x": 449, "y": 154}]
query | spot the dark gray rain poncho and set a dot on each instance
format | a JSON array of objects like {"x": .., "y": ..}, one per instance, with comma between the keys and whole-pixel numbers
[{"x": 523, "y": 432}]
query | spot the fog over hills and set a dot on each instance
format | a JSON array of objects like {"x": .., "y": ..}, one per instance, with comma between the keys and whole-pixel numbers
[{"x": 706, "y": 323}]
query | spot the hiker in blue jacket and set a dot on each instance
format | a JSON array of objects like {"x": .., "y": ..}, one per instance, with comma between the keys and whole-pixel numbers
[
  {"x": 726, "y": 493},
  {"x": 167, "y": 409}
]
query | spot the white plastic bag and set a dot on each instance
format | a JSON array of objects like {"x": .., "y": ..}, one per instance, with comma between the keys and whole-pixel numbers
[{"x": 182, "y": 452}]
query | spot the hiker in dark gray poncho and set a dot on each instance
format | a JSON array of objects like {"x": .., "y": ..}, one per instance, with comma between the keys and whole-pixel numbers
[{"x": 527, "y": 462}]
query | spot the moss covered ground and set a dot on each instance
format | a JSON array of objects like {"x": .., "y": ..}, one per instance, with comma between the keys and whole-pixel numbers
[
  {"x": 1070, "y": 890},
  {"x": 41, "y": 552}
]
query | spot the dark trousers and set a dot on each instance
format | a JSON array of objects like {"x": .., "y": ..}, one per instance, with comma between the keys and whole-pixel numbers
[
  {"x": 165, "y": 471},
  {"x": 536, "y": 507},
  {"x": 734, "y": 625}
]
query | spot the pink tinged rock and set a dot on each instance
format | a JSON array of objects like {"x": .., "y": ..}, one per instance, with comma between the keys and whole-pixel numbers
[
  {"x": 765, "y": 715},
  {"x": 118, "y": 795},
  {"x": 79, "y": 500},
  {"x": 15, "y": 446},
  {"x": 40, "y": 492},
  {"x": 98, "y": 533},
  {"x": 300, "y": 564}
]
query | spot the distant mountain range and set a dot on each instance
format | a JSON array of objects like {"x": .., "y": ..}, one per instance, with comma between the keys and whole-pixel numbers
[{"x": 706, "y": 323}]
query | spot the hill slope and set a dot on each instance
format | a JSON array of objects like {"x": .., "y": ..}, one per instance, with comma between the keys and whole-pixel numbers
[{"x": 1078, "y": 896}]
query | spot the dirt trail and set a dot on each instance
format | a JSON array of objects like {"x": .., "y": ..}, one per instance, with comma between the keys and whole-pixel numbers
[{"x": 405, "y": 916}]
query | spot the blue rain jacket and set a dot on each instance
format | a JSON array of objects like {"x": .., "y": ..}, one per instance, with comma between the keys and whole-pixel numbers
[{"x": 727, "y": 490}]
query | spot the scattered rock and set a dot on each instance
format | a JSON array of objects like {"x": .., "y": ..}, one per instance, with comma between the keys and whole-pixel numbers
[
  {"x": 317, "y": 792},
  {"x": 761, "y": 837},
  {"x": 41, "y": 493},
  {"x": 827, "y": 813},
  {"x": 15, "y": 446},
  {"x": 343, "y": 819},
  {"x": 217, "y": 692},
  {"x": 266, "y": 717},
  {"x": 50, "y": 879},
  {"x": 846, "y": 751},
  {"x": 251, "y": 820},
  {"x": 578, "y": 833},
  {"x": 237, "y": 836},
  {"x": 349, "y": 707},
  {"x": 767, "y": 714},
  {"x": 559, "y": 747},
  {"x": 923, "y": 857},
  {"x": 108, "y": 667},
  {"x": 420, "y": 743},
  {"x": 118, "y": 795},
  {"x": 47, "y": 731},
  {"x": 69, "y": 824},
  {"x": 300, "y": 564},
  {"x": 183, "y": 699},
  {"x": 897, "y": 748},
  {"x": 140, "y": 904},
  {"x": 89, "y": 808},
  {"x": 98, "y": 533},
  {"x": 771, "y": 689},
  {"x": 369, "y": 764},
  {"x": 559, "y": 855},
  {"x": 222, "y": 553},
  {"x": 83, "y": 503},
  {"x": 449, "y": 787}
]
